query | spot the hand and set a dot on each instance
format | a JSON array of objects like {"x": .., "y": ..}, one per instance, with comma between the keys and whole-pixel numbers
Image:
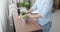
[
  {"x": 26, "y": 11},
  {"x": 29, "y": 15}
]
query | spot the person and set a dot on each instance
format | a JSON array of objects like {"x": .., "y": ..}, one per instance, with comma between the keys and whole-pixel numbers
[{"x": 44, "y": 9}]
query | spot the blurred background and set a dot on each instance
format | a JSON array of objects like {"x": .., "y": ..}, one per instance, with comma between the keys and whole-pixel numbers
[{"x": 7, "y": 26}]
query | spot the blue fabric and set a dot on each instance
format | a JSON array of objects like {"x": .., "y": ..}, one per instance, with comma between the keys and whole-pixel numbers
[
  {"x": 46, "y": 27},
  {"x": 44, "y": 8}
]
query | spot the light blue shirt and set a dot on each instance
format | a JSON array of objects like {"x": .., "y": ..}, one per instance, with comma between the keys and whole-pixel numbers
[{"x": 44, "y": 8}]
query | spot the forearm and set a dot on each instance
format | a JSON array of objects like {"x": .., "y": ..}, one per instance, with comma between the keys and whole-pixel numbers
[{"x": 36, "y": 16}]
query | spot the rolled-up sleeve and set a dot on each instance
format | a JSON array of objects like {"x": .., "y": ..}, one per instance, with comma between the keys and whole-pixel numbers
[
  {"x": 45, "y": 8},
  {"x": 34, "y": 7}
]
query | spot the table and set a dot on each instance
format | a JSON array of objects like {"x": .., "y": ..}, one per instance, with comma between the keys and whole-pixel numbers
[{"x": 21, "y": 26}]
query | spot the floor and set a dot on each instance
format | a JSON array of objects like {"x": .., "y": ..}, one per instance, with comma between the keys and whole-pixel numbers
[{"x": 56, "y": 21}]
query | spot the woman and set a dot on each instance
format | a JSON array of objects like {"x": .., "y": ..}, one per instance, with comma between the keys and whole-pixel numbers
[{"x": 44, "y": 9}]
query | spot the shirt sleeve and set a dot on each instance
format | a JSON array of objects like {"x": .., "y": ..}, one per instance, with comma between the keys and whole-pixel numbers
[
  {"x": 34, "y": 7},
  {"x": 45, "y": 8}
]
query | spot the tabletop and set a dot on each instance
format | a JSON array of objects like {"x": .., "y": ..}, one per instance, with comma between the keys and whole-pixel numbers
[{"x": 21, "y": 26}]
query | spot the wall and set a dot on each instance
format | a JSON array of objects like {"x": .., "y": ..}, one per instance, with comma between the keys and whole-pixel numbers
[
  {"x": 1, "y": 27},
  {"x": 3, "y": 15}
]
